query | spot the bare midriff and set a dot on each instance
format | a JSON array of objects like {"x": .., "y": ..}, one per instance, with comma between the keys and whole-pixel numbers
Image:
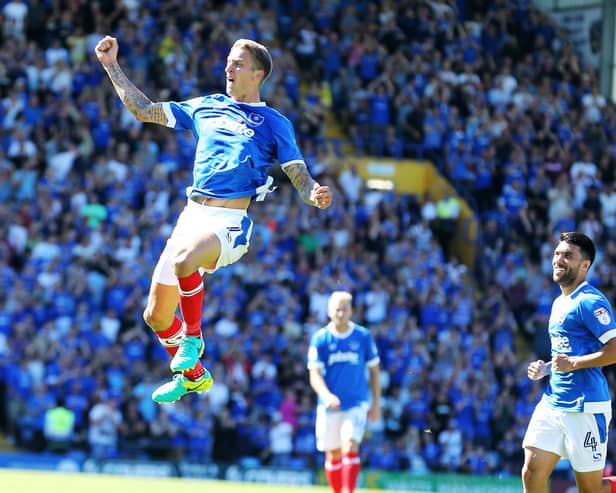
[{"x": 239, "y": 203}]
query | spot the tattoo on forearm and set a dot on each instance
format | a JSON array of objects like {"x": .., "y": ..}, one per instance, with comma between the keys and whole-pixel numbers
[
  {"x": 301, "y": 180},
  {"x": 135, "y": 101}
]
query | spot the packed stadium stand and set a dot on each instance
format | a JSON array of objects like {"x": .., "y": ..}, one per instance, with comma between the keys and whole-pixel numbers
[{"x": 492, "y": 93}]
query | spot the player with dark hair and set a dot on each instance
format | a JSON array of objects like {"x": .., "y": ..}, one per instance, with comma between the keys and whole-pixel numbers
[{"x": 572, "y": 419}]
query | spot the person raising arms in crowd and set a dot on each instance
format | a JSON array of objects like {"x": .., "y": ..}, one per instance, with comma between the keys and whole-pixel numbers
[
  {"x": 238, "y": 138},
  {"x": 573, "y": 416}
]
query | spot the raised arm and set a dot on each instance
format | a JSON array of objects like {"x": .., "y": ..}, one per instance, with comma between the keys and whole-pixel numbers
[
  {"x": 135, "y": 101},
  {"x": 309, "y": 190}
]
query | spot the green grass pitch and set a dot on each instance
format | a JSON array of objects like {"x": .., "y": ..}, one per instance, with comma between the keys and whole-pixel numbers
[{"x": 14, "y": 481}]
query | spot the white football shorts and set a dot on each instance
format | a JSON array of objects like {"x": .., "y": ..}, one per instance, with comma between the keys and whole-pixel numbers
[
  {"x": 579, "y": 437},
  {"x": 233, "y": 228},
  {"x": 332, "y": 428}
]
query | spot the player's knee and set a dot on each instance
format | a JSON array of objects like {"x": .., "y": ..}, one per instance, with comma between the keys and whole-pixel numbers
[
  {"x": 530, "y": 475},
  {"x": 591, "y": 484},
  {"x": 589, "y": 489},
  {"x": 148, "y": 316},
  {"x": 334, "y": 454},
  {"x": 182, "y": 264},
  {"x": 154, "y": 319},
  {"x": 350, "y": 447}
]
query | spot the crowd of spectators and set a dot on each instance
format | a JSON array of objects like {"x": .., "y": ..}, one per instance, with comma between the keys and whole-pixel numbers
[{"x": 492, "y": 92}]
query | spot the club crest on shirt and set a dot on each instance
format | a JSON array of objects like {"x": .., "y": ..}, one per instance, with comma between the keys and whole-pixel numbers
[
  {"x": 255, "y": 119},
  {"x": 602, "y": 315}
]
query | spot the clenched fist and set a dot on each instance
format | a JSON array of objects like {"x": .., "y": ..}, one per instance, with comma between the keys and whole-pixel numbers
[
  {"x": 321, "y": 196},
  {"x": 107, "y": 50}
]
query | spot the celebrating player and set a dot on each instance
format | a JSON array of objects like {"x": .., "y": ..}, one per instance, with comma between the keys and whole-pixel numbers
[
  {"x": 574, "y": 414},
  {"x": 337, "y": 359},
  {"x": 238, "y": 138}
]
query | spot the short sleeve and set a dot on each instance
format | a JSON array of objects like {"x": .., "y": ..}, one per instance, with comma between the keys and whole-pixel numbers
[
  {"x": 287, "y": 151},
  {"x": 372, "y": 353},
  {"x": 180, "y": 115},
  {"x": 315, "y": 358},
  {"x": 599, "y": 318}
]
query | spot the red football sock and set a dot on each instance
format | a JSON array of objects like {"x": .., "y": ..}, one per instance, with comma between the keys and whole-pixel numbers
[
  {"x": 350, "y": 471},
  {"x": 191, "y": 302},
  {"x": 195, "y": 373},
  {"x": 612, "y": 480},
  {"x": 333, "y": 473},
  {"x": 170, "y": 339}
]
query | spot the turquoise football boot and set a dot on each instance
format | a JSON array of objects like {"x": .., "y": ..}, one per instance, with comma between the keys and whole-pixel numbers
[
  {"x": 189, "y": 351},
  {"x": 179, "y": 386}
]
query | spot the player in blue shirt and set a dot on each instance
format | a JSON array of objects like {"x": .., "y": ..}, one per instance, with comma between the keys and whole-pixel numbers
[
  {"x": 338, "y": 356},
  {"x": 572, "y": 419},
  {"x": 238, "y": 138}
]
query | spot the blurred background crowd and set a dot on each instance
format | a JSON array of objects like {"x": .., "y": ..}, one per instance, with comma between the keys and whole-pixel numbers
[{"x": 492, "y": 92}]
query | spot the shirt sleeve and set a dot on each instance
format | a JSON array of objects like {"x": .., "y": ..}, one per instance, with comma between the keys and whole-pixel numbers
[
  {"x": 599, "y": 318},
  {"x": 287, "y": 151},
  {"x": 372, "y": 353},
  {"x": 180, "y": 115},
  {"x": 315, "y": 356}
]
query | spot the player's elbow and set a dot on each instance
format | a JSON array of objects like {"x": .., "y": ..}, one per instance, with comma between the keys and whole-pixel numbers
[
  {"x": 314, "y": 380},
  {"x": 311, "y": 379},
  {"x": 140, "y": 115},
  {"x": 529, "y": 476},
  {"x": 146, "y": 111}
]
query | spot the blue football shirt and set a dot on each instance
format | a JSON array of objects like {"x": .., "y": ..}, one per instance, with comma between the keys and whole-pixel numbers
[
  {"x": 343, "y": 360},
  {"x": 236, "y": 143},
  {"x": 580, "y": 323}
]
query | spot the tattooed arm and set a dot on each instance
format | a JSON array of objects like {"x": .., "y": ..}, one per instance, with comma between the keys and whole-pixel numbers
[
  {"x": 135, "y": 101},
  {"x": 309, "y": 190}
]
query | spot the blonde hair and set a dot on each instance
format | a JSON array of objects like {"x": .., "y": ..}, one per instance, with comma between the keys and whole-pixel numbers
[
  {"x": 341, "y": 296},
  {"x": 261, "y": 58}
]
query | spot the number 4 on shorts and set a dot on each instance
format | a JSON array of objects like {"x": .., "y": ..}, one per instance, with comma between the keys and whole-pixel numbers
[{"x": 590, "y": 441}]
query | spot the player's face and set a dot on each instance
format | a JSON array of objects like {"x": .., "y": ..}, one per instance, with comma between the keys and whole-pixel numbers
[
  {"x": 242, "y": 79},
  {"x": 567, "y": 264},
  {"x": 339, "y": 312}
]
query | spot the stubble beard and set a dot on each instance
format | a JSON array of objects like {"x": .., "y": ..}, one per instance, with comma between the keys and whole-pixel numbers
[{"x": 566, "y": 279}]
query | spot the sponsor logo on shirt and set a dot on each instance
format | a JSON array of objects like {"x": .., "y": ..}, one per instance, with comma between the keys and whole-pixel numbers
[
  {"x": 343, "y": 357},
  {"x": 602, "y": 315},
  {"x": 227, "y": 123},
  {"x": 561, "y": 344}
]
